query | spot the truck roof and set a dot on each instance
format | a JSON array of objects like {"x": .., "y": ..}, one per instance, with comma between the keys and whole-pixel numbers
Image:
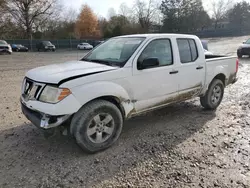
[{"x": 158, "y": 35}]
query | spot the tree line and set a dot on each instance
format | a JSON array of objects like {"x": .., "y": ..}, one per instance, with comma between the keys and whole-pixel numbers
[{"x": 49, "y": 19}]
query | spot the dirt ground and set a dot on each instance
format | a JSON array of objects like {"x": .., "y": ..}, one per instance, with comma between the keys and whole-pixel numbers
[{"x": 179, "y": 146}]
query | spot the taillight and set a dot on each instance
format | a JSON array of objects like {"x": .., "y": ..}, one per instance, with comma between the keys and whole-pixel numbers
[{"x": 237, "y": 65}]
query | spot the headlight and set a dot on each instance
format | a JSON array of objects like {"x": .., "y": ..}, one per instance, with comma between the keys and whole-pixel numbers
[
  {"x": 53, "y": 95},
  {"x": 46, "y": 47},
  {"x": 10, "y": 49}
]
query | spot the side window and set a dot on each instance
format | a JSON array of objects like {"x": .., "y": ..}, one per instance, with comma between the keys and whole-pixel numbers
[
  {"x": 187, "y": 50},
  {"x": 193, "y": 48},
  {"x": 160, "y": 49}
]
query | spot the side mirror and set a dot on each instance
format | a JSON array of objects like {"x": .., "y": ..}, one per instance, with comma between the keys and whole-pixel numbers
[
  {"x": 148, "y": 63},
  {"x": 244, "y": 42}
]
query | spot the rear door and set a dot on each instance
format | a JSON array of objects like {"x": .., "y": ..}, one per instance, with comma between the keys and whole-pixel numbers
[{"x": 191, "y": 68}]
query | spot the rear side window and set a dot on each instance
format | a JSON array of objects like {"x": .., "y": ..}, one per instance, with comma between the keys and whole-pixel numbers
[{"x": 187, "y": 50}]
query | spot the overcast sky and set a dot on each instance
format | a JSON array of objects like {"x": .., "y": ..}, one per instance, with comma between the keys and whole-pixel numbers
[{"x": 101, "y": 7}]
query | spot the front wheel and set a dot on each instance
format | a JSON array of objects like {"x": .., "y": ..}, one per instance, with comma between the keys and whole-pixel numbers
[
  {"x": 97, "y": 126},
  {"x": 239, "y": 55},
  {"x": 213, "y": 96}
]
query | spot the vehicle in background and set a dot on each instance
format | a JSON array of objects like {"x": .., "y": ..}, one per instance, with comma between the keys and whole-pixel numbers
[
  {"x": 205, "y": 47},
  {"x": 19, "y": 48},
  {"x": 206, "y": 52},
  {"x": 45, "y": 46},
  {"x": 244, "y": 49},
  {"x": 5, "y": 48},
  {"x": 99, "y": 42},
  {"x": 84, "y": 46},
  {"x": 122, "y": 78}
]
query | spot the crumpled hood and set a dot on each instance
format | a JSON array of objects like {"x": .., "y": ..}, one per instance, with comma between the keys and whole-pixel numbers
[{"x": 57, "y": 72}]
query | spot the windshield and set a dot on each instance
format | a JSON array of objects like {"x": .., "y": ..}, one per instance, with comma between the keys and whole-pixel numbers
[
  {"x": 114, "y": 52},
  {"x": 248, "y": 41},
  {"x": 47, "y": 43},
  {"x": 19, "y": 45},
  {"x": 3, "y": 42}
]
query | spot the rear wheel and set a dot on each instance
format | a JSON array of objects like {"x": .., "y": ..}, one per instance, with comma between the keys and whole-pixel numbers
[
  {"x": 213, "y": 96},
  {"x": 97, "y": 126}
]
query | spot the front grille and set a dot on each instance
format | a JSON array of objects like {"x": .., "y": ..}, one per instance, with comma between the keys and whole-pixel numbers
[
  {"x": 4, "y": 47},
  {"x": 246, "y": 50},
  {"x": 31, "y": 90}
]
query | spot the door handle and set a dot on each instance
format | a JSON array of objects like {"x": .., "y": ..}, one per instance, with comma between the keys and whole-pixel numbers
[
  {"x": 173, "y": 72},
  {"x": 199, "y": 67}
]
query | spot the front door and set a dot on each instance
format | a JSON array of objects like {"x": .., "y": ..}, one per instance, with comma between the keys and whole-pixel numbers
[{"x": 155, "y": 86}]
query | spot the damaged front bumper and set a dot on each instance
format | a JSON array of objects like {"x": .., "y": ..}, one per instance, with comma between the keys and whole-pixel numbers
[
  {"x": 41, "y": 120},
  {"x": 2, "y": 51}
]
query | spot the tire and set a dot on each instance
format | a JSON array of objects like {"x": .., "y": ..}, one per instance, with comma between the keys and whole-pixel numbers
[
  {"x": 239, "y": 55},
  {"x": 211, "y": 100},
  {"x": 89, "y": 122}
]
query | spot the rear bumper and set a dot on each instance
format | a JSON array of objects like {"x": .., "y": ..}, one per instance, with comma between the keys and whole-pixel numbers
[
  {"x": 41, "y": 120},
  {"x": 234, "y": 80}
]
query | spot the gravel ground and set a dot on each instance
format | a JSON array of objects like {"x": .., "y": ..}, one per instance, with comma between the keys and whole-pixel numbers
[{"x": 178, "y": 146}]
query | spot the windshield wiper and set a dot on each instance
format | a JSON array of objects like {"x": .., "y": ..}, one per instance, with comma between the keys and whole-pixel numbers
[{"x": 100, "y": 61}]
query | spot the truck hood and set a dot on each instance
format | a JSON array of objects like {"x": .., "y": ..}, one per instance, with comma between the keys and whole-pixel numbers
[
  {"x": 56, "y": 73},
  {"x": 245, "y": 46}
]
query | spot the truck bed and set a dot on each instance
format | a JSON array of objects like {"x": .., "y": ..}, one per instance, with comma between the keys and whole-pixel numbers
[
  {"x": 214, "y": 63},
  {"x": 213, "y": 56}
]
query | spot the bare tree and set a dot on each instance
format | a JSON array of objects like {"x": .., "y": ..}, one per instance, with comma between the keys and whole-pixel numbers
[
  {"x": 111, "y": 13},
  {"x": 69, "y": 15},
  {"x": 220, "y": 9},
  {"x": 124, "y": 10},
  {"x": 145, "y": 13},
  {"x": 27, "y": 12}
]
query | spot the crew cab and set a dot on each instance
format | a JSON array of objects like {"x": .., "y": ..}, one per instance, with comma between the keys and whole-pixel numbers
[{"x": 121, "y": 78}]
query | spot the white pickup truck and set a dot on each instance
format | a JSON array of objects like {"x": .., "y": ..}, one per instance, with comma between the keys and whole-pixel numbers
[{"x": 121, "y": 78}]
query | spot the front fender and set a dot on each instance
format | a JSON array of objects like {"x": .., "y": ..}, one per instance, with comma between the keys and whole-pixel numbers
[{"x": 88, "y": 92}]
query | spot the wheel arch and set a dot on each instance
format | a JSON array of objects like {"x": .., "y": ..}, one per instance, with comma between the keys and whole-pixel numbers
[
  {"x": 221, "y": 77},
  {"x": 109, "y": 91},
  {"x": 114, "y": 100}
]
